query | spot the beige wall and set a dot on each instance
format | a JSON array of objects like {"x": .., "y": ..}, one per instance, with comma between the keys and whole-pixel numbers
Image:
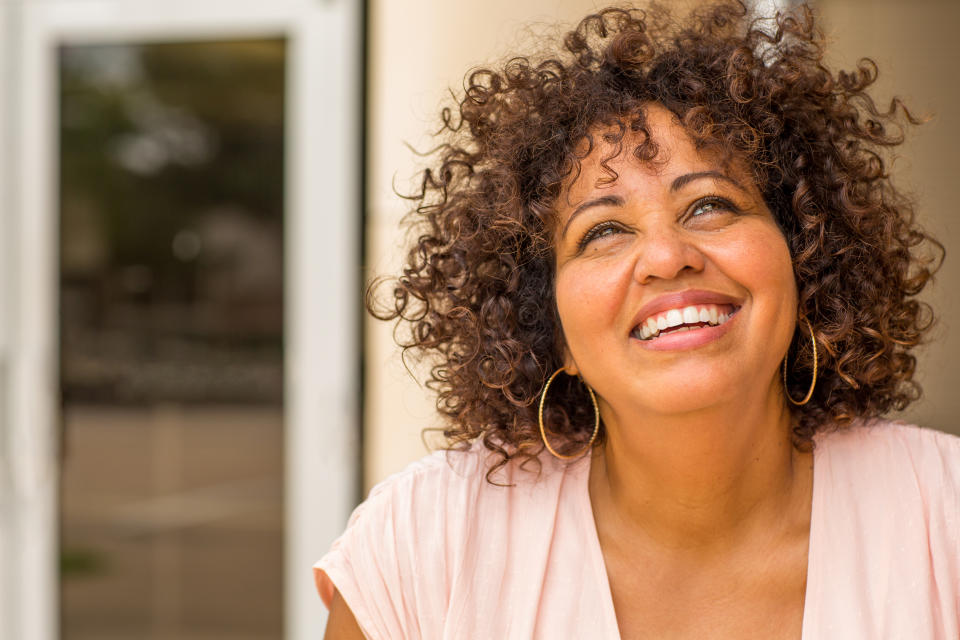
[
  {"x": 917, "y": 49},
  {"x": 418, "y": 48}
]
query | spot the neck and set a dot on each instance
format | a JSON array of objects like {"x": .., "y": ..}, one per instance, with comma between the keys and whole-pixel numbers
[{"x": 701, "y": 481}]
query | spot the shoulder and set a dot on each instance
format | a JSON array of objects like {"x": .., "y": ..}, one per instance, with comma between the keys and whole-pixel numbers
[
  {"x": 885, "y": 529},
  {"x": 458, "y": 480},
  {"x": 891, "y": 470},
  {"x": 419, "y": 525},
  {"x": 459, "y": 466},
  {"x": 893, "y": 447},
  {"x": 436, "y": 505},
  {"x": 414, "y": 505},
  {"x": 388, "y": 564},
  {"x": 430, "y": 488}
]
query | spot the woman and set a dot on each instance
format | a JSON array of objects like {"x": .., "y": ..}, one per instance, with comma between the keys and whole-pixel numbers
[{"x": 669, "y": 293}]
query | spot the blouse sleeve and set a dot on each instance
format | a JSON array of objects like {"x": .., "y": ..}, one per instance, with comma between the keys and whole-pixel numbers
[
  {"x": 362, "y": 566},
  {"x": 390, "y": 564}
]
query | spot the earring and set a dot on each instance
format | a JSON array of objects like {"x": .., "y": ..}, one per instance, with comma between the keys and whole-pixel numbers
[
  {"x": 813, "y": 383},
  {"x": 543, "y": 431}
]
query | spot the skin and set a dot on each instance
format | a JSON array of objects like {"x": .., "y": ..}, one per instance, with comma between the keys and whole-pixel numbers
[
  {"x": 342, "y": 625},
  {"x": 701, "y": 503}
]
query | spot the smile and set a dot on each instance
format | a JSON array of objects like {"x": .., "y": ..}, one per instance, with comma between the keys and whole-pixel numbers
[{"x": 683, "y": 319}]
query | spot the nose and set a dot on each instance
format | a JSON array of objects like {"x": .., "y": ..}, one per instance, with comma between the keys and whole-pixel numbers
[{"x": 666, "y": 254}]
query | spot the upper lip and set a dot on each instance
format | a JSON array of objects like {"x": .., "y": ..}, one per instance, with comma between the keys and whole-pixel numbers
[{"x": 680, "y": 299}]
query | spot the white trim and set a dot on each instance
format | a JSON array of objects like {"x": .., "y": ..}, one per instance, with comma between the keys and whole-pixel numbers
[
  {"x": 322, "y": 279},
  {"x": 30, "y": 500},
  {"x": 103, "y": 21},
  {"x": 8, "y": 45},
  {"x": 323, "y": 282}
]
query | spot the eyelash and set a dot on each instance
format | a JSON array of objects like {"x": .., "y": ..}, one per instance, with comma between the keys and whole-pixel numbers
[
  {"x": 597, "y": 231},
  {"x": 722, "y": 204}
]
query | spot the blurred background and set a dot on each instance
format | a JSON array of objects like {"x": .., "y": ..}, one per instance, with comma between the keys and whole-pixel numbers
[{"x": 191, "y": 400}]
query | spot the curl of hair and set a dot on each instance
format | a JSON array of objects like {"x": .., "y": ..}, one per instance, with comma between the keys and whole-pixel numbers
[{"x": 476, "y": 295}]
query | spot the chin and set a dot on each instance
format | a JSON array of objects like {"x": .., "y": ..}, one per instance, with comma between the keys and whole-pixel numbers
[{"x": 692, "y": 395}]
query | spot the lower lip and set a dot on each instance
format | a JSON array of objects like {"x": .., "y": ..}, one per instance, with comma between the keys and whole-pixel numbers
[{"x": 682, "y": 340}]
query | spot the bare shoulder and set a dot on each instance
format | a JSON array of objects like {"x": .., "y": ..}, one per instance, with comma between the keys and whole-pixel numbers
[{"x": 342, "y": 625}]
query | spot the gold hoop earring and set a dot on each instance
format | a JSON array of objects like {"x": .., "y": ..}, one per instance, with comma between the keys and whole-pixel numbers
[
  {"x": 543, "y": 431},
  {"x": 813, "y": 383}
]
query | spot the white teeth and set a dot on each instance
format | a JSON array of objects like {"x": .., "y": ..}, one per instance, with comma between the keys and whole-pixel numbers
[
  {"x": 674, "y": 318},
  {"x": 652, "y": 326}
]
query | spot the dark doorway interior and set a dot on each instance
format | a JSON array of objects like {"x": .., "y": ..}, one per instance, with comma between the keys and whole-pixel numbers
[{"x": 171, "y": 334}]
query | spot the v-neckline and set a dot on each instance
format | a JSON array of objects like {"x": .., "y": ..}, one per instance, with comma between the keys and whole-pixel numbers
[{"x": 597, "y": 561}]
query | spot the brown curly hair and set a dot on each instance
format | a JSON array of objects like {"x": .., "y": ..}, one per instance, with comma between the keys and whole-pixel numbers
[{"x": 477, "y": 292}]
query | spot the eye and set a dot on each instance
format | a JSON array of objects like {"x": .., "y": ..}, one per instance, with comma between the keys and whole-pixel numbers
[
  {"x": 711, "y": 204},
  {"x": 596, "y": 232}
]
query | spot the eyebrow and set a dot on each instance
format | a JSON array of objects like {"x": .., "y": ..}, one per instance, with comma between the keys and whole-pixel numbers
[
  {"x": 681, "y": 181},
  {"x": 678, "y": 183},
  {"x": 613, "y": 201}
]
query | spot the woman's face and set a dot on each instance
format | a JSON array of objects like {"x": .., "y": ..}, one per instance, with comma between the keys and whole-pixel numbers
[{"x": 674, "y": 284}]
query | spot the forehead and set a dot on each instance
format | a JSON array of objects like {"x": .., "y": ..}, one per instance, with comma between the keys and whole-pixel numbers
[{"x": 660, "y": 149}]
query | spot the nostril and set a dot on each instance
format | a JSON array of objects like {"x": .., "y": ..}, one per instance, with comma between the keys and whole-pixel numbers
[{"x": 666, "y": 256}]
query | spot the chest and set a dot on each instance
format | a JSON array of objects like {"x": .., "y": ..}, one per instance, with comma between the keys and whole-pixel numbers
[{"x": 762, "y": 598}]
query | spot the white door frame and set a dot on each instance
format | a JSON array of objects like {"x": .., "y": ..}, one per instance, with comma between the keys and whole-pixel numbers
[{"x": 322, "y": 219}]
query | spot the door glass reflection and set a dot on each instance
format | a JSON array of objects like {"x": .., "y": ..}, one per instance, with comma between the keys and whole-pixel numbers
[{"x": 171, "y": 298}]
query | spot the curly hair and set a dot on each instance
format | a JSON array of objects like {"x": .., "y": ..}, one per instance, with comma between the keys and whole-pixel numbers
[{"x": 476, "y": 296}]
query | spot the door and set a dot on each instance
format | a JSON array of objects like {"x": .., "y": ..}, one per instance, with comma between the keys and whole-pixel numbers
[{"x": 180, "y": 322}]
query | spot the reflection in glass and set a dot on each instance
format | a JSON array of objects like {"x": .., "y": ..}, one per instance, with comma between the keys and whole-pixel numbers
[{"x": 171, "y": 294}]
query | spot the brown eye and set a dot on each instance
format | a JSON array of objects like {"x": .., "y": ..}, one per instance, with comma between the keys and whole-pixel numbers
[
  {"x": 710, "y": 205},
  {"x": 599, "y": 231}
]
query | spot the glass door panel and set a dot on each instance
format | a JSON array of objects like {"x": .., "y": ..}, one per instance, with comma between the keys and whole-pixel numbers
[{"x": 171, "y": 339}]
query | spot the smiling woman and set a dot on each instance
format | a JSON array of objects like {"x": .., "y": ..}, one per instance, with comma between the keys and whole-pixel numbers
[
  {"x": 668, "y": 290},
  {"x": 674, "y": 239}
]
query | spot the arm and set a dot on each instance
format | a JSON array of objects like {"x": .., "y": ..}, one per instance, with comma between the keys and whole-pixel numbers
[{"x": 342, "y": 625}]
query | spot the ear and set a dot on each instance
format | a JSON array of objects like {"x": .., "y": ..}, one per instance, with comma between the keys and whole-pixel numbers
[{"x": 569, "y": 364}]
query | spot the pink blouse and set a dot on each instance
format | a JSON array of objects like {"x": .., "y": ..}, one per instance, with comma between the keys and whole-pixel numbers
[{"x": 437, "y": 552}]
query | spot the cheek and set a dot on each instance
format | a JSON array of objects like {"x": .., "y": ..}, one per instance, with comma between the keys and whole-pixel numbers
[
  {"x": 589, "y": 296},
  {"x": 761, "y": 262},
  {"x": 774, "y": 266}
]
